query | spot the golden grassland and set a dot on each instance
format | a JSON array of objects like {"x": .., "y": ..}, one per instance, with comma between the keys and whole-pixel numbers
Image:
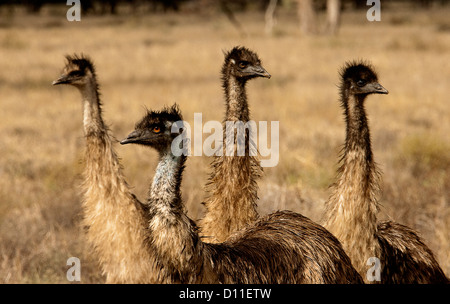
[{"x": 155, "y": 60}]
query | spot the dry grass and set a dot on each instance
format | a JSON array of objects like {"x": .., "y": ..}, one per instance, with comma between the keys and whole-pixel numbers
[{"x": 156, "y": 60}]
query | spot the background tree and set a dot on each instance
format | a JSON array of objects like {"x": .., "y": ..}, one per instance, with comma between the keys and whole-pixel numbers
[
  {"x": 307, "y": 16},
  {"x": 270, "y": 16},
  {"x": 333, "y": 16}
]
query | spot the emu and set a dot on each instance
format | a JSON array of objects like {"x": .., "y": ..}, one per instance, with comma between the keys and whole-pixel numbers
[
  {"x": 232, "y": 186},
  {"x": 351, "y": 211},
  {"x": 114, "y": 217},
  {"x": 283, "y": 247}
]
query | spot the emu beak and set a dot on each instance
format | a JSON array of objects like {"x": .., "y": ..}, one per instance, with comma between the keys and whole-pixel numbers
[
  {"x": 378, "y": 88},
  {"x": 260, "y": 71},
  {"x": 132, "y": 138},
  {"x": 63, "y": 79}
]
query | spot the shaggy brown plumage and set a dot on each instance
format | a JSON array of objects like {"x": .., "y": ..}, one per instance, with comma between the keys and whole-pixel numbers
[
  {"x": 283, "y": 247},
  {"x": 232, "y": 186},
  {"x": 351, "y": 211},
  {"x": 114, "y": 218}
]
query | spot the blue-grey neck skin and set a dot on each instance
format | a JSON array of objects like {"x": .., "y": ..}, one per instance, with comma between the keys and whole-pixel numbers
[{"x": 172, "y": 234}]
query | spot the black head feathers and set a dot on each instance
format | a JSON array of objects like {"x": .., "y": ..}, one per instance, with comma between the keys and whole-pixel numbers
[
  {"x": 355, "y": 70},
  {"x": 76, "y": 70},
  {"x": 166, "y": 115},
  {"x": 243, "y": 64},
  {"x": 360, "y": 78},
  {"x": 80, "y": 62},
  {"x": 155, "y": 129}
]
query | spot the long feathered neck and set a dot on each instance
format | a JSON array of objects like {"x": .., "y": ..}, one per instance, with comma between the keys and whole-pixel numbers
[
  {"x": 233, "y": 183},
  {"x": 165, "y": 190},
  {"x": 101, "y": 160},
  {"x": 235, "y": 98},
  {"x": 357, "y": 129},
  {"x": 351, "y": 211},
  {"x": 173, "y": 235},
  {"x": 93, "y": 122},
  {"x": 114, "y": 217}
]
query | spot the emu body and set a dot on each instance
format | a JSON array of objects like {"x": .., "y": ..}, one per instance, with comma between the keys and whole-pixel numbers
[
  {"x": 232, "y": 186},
  {"x": 114, "y": 218},
  {"x": 283, "y": 247},
  {"x": 352, "y": 209}
]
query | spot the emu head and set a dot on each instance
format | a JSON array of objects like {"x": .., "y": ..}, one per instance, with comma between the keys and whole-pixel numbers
[
  {"x": 359, "y": 78},
  {"x": 77, "y": 71},
  {"x": 156, "y": 129},
  {"x": 243, "y": 64}
]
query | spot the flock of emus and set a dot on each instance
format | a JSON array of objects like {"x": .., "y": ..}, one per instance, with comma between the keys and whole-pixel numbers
[{"x": 156, "y": 242}]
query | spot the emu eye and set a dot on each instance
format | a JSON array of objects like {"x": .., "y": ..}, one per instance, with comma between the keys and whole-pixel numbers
[
  {"x": 156, "y": 129},
  {"x": 361, "y": 83},
  {"x": 76, "y": 73},
  {"x": 242, "y": 64}
]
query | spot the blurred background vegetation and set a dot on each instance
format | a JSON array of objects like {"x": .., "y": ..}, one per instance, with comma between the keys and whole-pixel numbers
[
  {"x": 155, "y": 53},
  {"x": 122, "y": 6}
]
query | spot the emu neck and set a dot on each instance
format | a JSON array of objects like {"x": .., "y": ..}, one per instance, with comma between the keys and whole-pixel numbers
[
  {"x": 172, "y": 234},
  {"x": 357, "y": 129},
  {"x": 351, "y": 212},
  {"x": 165, "y": 189},
  {"x": 236, "y": 100},
  {"x": 233, "y": 188},
  {"x": 102, "y": 164},
  {"x": 93, "y": 122},
  {"x": 114, "y": 217}
]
